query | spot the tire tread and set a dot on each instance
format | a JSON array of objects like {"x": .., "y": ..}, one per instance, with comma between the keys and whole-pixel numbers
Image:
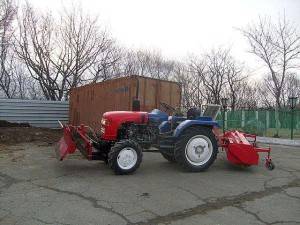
[
  {"x": 179, "y": 151},
  {"x": 114, "y": 152}
]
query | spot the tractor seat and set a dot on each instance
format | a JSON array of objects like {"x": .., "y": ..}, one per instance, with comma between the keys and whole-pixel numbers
[
  {"x": 176, "y": 120},
  {"x": 173, "y": 122}
]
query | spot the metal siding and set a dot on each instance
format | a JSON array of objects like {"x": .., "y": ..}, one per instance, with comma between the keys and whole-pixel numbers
[{"x": 37, "y": 113}]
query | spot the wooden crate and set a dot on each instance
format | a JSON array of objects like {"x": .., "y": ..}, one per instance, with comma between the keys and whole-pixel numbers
[{"x": 89, "y": 102}]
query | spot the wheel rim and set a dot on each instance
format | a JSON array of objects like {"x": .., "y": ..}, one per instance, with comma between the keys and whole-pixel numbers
[
  {"x": 198, "y": 150},
  {"x": 127, "y": 158}
]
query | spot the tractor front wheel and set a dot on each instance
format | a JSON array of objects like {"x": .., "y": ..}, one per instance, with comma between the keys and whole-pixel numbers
[
  {"x": 125, "y": 157},
  {"x": 196, "y": 149}
]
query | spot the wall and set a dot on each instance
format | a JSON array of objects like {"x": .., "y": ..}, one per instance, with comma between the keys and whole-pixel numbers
[{"x": 35, "y": 112}]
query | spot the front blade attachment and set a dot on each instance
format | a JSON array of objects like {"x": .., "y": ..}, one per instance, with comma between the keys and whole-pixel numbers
[{"x": 65, "y": 145}]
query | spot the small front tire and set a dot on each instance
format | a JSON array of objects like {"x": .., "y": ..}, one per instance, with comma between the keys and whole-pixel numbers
[{"x": 125, "y": 157}]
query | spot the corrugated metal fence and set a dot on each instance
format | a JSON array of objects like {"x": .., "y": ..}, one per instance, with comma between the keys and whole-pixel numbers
[{"x": 35, "y": 112}]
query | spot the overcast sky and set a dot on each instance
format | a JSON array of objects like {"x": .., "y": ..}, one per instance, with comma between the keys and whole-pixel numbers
[{"x": 182, "y": 27}]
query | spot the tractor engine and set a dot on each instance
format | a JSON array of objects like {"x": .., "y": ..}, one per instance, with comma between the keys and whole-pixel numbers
[{"x": 144, "y": 134}]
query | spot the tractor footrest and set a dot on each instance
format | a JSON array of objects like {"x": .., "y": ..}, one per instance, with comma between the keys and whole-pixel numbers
[{"x": 167, "y": 140}]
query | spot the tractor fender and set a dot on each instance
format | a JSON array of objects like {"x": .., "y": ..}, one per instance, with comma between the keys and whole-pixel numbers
[{"x": 189, "y": 123}]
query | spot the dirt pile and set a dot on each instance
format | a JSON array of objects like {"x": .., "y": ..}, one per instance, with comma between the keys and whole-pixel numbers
[
  {"x": 4, "y": 123},
  {"x": 14, "y": 135}
]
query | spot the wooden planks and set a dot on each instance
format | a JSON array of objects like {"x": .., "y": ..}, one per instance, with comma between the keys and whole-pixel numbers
[{"x": 89, "y": 102}]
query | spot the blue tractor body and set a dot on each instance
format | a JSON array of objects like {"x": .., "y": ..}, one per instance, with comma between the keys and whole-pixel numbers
[{"x": 177, "y": 124}]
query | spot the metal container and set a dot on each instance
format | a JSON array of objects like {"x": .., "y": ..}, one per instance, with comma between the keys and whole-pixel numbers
[{"x": 89, "y": 102}]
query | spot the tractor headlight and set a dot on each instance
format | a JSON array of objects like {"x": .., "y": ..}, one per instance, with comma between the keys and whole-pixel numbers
[{"x": 104, "y": 122}]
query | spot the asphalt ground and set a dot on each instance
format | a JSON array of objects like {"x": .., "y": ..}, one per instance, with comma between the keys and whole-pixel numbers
[{"x": 37, "y": 189}]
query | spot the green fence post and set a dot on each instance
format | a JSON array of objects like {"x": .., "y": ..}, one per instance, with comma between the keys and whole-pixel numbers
[
  {"x": 293, "y": 103},
  {"x": 277, "y": 121},
  {"x": 225, "y": 120},
  {"x": 256, "y": 119},
  {"x": 267, "y": 120},
  {"x": 243, "y": 118},
  {"x": 223, "y": 115},
  {"x": 292, "y": 124}
]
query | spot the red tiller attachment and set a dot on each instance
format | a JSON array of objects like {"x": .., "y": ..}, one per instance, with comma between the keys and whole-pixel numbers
[
  {"x": 73, "y": 137},
  {"x": 241, "y": 151}
]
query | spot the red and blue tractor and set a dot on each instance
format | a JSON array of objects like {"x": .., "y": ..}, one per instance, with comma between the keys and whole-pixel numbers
[{"x": 192, "y": 141}]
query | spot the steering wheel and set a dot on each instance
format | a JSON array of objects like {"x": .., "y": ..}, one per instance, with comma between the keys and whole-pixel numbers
[
  {"x": 167, "y": 107},
  {"x": 171, "y": 109}
]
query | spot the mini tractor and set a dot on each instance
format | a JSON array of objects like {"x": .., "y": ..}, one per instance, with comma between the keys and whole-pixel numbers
[{"x": 192, "y": 141}]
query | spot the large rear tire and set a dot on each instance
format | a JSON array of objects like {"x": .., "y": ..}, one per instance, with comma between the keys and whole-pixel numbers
[
  {"x": 196, "y": 149},
  {"x": 170, "y": 158},
  {"x": 125, "y": 157}
]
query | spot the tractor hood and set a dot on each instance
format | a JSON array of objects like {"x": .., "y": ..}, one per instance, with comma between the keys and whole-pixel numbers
[
  {"x": 126, "y": 116},
  {"x": 135, "y": 116},
  {"x": 157, "y": 116},
  {"x": 112, "y": 121}
]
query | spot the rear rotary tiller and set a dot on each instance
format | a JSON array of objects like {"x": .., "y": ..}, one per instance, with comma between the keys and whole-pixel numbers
[
  {"x": 190, "y": 141},
  {"x": 241, "y": 149}
]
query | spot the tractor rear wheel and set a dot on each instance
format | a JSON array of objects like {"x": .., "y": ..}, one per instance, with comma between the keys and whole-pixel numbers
[
  {"x": 125, "y": 157},
  {"x": 170, "y": 158},
  {"x": 196, "y": 149}
]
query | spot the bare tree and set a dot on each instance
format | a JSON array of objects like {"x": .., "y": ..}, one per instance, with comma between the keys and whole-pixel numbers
[
  {"x": 135, "y": 63},
  {"x": 146, "y": 63},
  {"x": 105, "y": 66},
  {"x": 292, "y": 87},
  {"x": 235, "y": 82},
  {"x": 82, "y": 45},
  {"x": 278, "y": 46},
  {"x": 213, "y": 71},
  {"x": 182, "y": 75},
  {"x": 8, "y": 11},
  {"x": 248, "y": 95},
  {"x": 59, "y": 54},
  {"x": 197, "y": 71},
  {"x": 34, "y": 46},
  {"x": 217, "y": 74},
  {"x": 159, "y": 67}
]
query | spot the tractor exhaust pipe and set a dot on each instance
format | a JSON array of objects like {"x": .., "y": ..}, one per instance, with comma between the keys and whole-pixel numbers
[{"x": 136, "y": 105}]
